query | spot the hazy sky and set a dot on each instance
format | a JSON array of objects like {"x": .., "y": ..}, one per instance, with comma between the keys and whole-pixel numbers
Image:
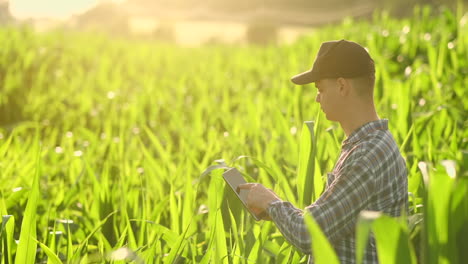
[{"x": 58, "y": 9}]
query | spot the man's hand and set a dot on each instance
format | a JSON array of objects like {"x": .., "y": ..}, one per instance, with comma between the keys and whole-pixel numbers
[{"x": 259, "y": 198}]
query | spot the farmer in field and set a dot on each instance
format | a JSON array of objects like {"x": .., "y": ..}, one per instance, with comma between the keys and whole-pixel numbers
[{"x": 370, "y": 173}]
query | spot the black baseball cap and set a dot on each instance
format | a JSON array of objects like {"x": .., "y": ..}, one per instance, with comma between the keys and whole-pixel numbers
[{"x": 336, "y": 59}]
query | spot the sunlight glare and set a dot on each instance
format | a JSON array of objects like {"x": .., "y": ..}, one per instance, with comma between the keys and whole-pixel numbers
[{"x": 56, "y": 9}]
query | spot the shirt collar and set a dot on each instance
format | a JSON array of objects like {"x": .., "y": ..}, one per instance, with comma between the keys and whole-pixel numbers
[{"x": 364, "y": 130}]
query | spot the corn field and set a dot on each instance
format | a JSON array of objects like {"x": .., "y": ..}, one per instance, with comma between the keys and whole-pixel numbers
[{"x": 104, "y": 143}]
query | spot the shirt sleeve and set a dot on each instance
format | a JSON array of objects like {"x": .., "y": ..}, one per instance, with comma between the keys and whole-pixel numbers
[{"x": 336, "y": 210}]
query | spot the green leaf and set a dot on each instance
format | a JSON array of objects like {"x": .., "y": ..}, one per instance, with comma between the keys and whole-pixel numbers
[
  {"x": 322, "y": 250},
  {"x": 212, "y": 168},
  {"x": 16, "y": 196},
  {"x": 260, "y": 164},
  {"x": 69, "y": 243},
  {"x": 393, "y": 245},
  {"x": 236, "y": 238},
  {"x": 5, "y": 146},
  {"x": 392, "y": 238},
  {"x": 85, "y": 241},
  {"x": 363, "y": 228},
  {"x": 7, "y": 241},
  {"x": 5, "y": 219},
  {"x": 52, "y": 258},
  {"x": 26, "y": 252},
  {"x": 306, "y": 168}
]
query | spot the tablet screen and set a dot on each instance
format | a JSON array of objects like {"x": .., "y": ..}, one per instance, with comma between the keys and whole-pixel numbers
[{"x": 234, "y": 178}]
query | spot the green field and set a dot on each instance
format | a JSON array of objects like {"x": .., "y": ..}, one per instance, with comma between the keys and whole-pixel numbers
[{"x": 103, "y": 142}]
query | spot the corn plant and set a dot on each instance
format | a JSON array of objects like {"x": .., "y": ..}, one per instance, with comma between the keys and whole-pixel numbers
[{"x": 103, "y": 143}]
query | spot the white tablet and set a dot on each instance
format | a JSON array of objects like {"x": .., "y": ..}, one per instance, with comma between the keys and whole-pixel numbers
[{"x": 234, "y": 178}]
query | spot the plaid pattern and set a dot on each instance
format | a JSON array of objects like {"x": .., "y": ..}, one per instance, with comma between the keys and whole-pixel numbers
[{"x": 370, "y": 175}]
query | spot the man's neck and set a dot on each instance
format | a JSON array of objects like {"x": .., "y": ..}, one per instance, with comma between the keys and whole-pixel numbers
[{"x": 357, "y": 119}]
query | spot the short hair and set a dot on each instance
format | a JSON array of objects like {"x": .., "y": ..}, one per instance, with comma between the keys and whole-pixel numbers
[{"x": 364, "y": 85}]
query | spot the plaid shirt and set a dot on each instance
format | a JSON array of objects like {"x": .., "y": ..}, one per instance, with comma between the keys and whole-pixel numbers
[{"x": 369, "y": 175}]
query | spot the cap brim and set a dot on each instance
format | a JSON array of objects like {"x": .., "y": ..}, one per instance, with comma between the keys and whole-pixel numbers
[{"x": 304, "y": 78}]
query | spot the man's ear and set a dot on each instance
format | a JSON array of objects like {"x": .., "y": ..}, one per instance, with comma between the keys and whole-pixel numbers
[{"x": 344, "y": 86}]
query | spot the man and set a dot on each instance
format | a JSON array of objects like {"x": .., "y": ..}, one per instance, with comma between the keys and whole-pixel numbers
[{"x": 370, "y": 173}]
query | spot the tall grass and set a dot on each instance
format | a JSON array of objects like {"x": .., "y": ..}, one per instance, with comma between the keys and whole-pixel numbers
[{"x": 122, "y": 131}]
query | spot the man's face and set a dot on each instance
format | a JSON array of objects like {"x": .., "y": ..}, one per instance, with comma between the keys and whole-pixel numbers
[{"x": 328, "y": 96}]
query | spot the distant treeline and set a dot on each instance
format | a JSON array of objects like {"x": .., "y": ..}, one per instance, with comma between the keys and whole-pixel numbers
[{"x": 237, "y": 5}]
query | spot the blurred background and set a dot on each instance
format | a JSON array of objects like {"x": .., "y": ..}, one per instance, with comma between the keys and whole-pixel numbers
[
  {"x": 117, "y": 124},
  {"x": 195, "y": 22}
]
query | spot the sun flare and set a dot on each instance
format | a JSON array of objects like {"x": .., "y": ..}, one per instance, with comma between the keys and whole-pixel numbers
[{"x": 55, "y": 9}]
